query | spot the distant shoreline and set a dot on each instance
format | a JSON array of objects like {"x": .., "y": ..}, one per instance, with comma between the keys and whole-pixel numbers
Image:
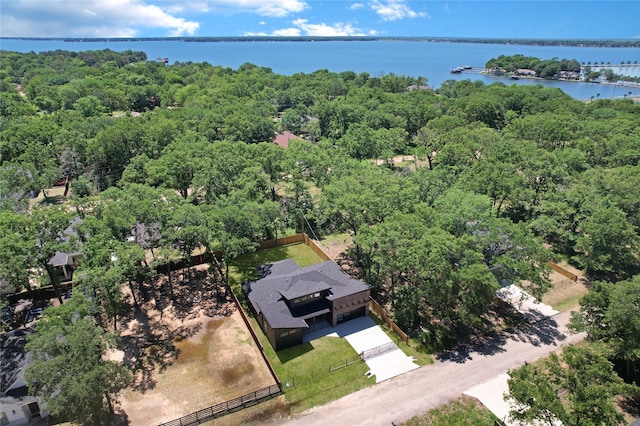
[{"x": 523, "y": 42}]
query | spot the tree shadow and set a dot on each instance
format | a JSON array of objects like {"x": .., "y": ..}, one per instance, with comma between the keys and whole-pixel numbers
[
  {"x": 198, "y": 294},
  {"x": 543, "y": 332},
  {"x": 149, "y": 343},
  {"x": 286, "y": 355},
  {"x": 630, "y": 406},
  {"x": 149, "y": 348},
  {"x": 118, "y": 418}
]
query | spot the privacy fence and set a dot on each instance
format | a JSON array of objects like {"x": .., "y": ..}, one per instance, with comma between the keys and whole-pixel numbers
[
  {"x": 559, "y": 269},
  {"x": 293, "y": 239},
  {"x": 380, "y": 312}
]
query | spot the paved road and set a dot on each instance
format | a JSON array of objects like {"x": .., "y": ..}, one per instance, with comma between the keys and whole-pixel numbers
[{"x": 411, "y": 394}]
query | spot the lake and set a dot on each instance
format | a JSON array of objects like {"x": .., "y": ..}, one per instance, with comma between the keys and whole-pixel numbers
[{"x": 429, "y": 59}]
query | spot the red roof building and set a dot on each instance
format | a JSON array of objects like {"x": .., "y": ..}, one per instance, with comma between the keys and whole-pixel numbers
[{"x": 283, "y": 138}]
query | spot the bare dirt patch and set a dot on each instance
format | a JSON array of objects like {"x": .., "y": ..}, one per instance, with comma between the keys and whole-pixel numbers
[
  {"x": 336, "y": 246},
  {"x": 565, "y": 293},
  {"x": 187, "y": 352}
]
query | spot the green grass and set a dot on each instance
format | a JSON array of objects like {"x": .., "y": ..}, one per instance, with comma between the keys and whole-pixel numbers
[
  {"x": 294, "y": 366},
  {"x": 463, "y": 411},
  {"x": 305, "y": 369}
]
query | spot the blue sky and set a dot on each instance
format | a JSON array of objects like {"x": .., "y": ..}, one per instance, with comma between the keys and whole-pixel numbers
[{"x": 575, "y": 19}]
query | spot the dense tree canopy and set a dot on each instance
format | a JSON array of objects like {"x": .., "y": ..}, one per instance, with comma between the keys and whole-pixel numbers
[
  {"x": 576, "y": 388},
  {"x": 448, "y": 194},
  {"x": 69, "y": 370}
]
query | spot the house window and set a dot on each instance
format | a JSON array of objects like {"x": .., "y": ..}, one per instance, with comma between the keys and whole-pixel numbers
[
  {"x": 288, "y": 332},
  {"x": 306, "y": 297}
]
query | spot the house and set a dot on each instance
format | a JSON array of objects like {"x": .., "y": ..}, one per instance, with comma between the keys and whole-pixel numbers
[
  {"x": 525, "y": 72},
  {"x": 283, "y": 138},
  {"x": 65, "y": 263},
  {"x": 287, "y": 299},
  {"x": 413, "y": 87},
  {"x": 17, "y": 406}
]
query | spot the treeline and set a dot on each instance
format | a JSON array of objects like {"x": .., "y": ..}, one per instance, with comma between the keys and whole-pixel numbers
[
  {"x": 545, "y": 68},
  {"x": 495, "y": 172},
  {"x": 516, "y": 41}
]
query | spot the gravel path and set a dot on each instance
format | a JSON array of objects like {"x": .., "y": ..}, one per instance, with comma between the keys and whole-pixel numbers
[{"x": 411, "y": 394}]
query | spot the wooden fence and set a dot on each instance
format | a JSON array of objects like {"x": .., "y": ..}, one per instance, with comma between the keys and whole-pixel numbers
[
  {"x": 308, "y": 241},
  {"x": 379, "y": 311},
  {"x": 227, "y": 407},
  {"x": 559, "y": 269},
  {"x": 291, "y": 239},
  {"x": 253, "y": 334}
]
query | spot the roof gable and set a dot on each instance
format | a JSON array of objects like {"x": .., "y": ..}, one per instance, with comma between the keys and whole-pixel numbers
[{"x": 284, "y": 281}]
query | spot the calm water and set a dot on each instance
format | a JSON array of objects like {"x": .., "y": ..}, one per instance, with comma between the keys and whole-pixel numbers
[{"x": 432, "y": 60}]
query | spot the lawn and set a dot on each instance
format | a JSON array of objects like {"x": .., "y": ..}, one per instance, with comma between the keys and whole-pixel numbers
[
  {"x": 463, "y": 411},
  {"x": 306, "y": 377}
]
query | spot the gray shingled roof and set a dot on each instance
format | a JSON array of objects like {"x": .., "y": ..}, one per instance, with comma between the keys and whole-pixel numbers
[
  {"x": 285, "y": 280},
  {"x": 62, "y": 258}
]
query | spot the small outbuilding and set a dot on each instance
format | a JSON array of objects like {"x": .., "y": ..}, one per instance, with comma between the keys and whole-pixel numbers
[{"x": 287, "y": 299}]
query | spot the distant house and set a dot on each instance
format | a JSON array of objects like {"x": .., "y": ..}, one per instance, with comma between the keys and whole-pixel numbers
[
  {"x": 65, "y": 263},
  {"x": 287, "y": 299},
  {"x": 526, "y": 72},
  {"x": 283, "y": 138},
  {"x": 569, "y": 75},
  {"x": 413, "y": 87}
]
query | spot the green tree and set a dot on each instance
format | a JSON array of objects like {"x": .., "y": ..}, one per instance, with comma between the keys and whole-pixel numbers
[
  {"x": 179, "y": 163},
  {"x": 607, "y": 243},
  {"x": 15, "y": 250},
  {"x": 47, "y": 231},
  {"x": 576, "y": 388},
  {"x": 89, "y": 106},
  {"x": 69, "y": 370},
  {"x": 609, "y": 314}
]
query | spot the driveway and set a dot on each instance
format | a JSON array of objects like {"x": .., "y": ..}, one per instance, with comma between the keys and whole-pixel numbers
[
  {"x": 382, "y": 356},
  {"x": 408, "y": 395}
]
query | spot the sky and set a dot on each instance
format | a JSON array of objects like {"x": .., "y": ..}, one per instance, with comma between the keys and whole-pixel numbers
[{"x": 526, "y": 19}]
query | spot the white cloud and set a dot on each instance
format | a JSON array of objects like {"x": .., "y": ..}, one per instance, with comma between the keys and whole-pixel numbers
[
  {"x": 287, "y": 32},
  {"x": 272, "y": 8},
  {"x": 324, "y": 30},
  {"x": 356, "y": 6},
  {"x": 88, "y": 18},
  {"x": 393, "y": 10},
  {"x": 302, "y": 27}
]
